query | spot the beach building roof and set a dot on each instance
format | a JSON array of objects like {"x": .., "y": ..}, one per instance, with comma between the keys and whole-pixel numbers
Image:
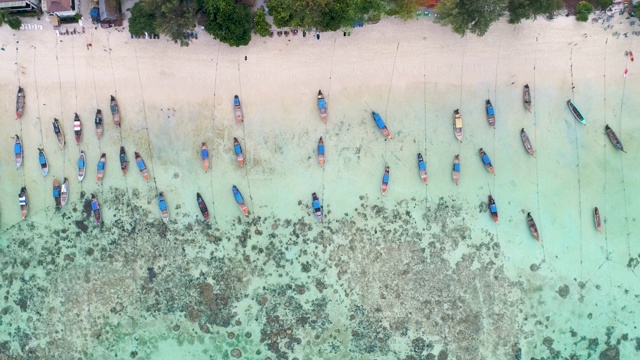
[
  {"x": 62, "y": 8},
  {"x": 110, "y": 11},
  {"x": 427, "y": 3},
  {"x": 18, "y": 5}
]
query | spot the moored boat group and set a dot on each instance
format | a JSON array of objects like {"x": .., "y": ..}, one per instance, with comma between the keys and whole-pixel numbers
[{"x": 60, "y": 191}]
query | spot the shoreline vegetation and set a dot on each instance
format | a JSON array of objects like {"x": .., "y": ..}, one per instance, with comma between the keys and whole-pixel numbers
[{"x": 233, "y": 23}]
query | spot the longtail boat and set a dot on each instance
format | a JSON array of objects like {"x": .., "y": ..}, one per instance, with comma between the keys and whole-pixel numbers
[
  {"x": 487, "y": 161},
  {"x": 597, "y": 219},
  {"x": 81, "y": 166},
  {"x": 576, "y": 113},
  {"x": 64, "y": 192},
  {"x": 456, "y": 169},
  {"x": 203, "y": 206},
  {"x": 526, "y": 95},
  {"x": 422, "y": 168},
  {"x": 533, "y": 228},
  {"x": 317, "y": 207},
  {"x": 527, "y": 143},
  {"x": 385, "y": 180},
  {"x": 77, "y": 128},
  {"x": 614, "y": 138},
  {"x": 99, "y": 125},
  {"x": 141, "y": 166},
  {"x": 95, "y": 207},
  {"x": 491, "y": 115},
  {"x": 204, "y": 154},
  {"x": 17, "y": 151},
  {"x": 237, "y": 109},
  {"x": 124, "y": 161},
  {"x": 162, "y": 204},
  {"x": 101, "y": 165},
  {"x": 321, "y": 152},
  {"x": 631, "y": 56},
  {"x": 115, "y": 111},
  {"x": 381, "y": 125},
  {"x": 56, "y": 191},
  {"x": 58, "y": 131},
  {"x": 457, "y": 125},
  {"x": 493, "y": 209},
  {"x": 238, "y": 150},
  {"x": 42, "y": 159},
  {"x": 19, "y": 102},
  {"x": 22, "y": 201},
  {"x": 322, "y": 106},
  {"x": 240, "y": 200}
]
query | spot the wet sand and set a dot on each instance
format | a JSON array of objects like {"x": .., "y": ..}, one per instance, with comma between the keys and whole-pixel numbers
[{"x": 421, "y": 270}]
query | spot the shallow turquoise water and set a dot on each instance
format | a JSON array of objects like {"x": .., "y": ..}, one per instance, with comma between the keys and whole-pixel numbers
[{"x": 420, "y": 271}]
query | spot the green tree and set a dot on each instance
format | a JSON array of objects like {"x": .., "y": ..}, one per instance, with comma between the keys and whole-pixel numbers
[
  {"x": 530, "y": 9},
  {"x": 470, "y": 15},
  {"x": 604, "y": 4},
  {"x": 175, "y": 18},
  {"x": 14, "y": 22},
  {"x": 228, "y": 22},
  {"x": 583, "y": 10},
  {"x": 143, "y": 19},
  {"x": 636, "y": 7},
  {"x": 260, "y": 24},
  {"x": 404, "y": 9}
]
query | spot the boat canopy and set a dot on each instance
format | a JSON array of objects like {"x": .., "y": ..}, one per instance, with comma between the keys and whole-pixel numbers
[
  {"x": 204, "y": 153},
  {"x": 378, "y": 120},
  {"x": 316, "y": 205},
  {"x": 17, "y": 148},
  {"x": 162, "y": 203},
  {"x": 456, "y": 167},
  {"x": 237, "y": 149},
  {"x": 22, "y": 200},
  {"x": 458, "y": 122},
  {"x": 321, "y": 149},
  {"x": 81, "y": 162},
  {"x": 493, "y": 208},
  {"x": 76, "y": 126},
  {"x": 101, "y": 165},
  {"x": 490, "y": 111},
  {"x": 321, "y": 103},
  {"x": 42, "y": 159},
  {"x": 56, "y": 191},
  {"x": 236, "y": 100},
  {"x": 385, "y": 178},
  {"x": 485, "y": 159},
  {"x": 140, "y": 164},
  {"x": 422, "y": 165},
  {"x": 237, "y": 195},
  {"x": 94, "y": 205},
  {"x": 113, "y": 107}
]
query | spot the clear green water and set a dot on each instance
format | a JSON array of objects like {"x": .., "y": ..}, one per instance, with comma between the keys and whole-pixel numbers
[{"x": 418, "y": 274}]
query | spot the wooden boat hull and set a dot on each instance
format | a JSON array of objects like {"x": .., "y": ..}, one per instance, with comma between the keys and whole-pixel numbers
[
  {"x": 64, "y": 192},
  {"x": 456, "y": 169},
  {"x": 81, "y": 166},
  {"x": 115, "y": 111},
  {"x": 527, "y": 143},
  {"x": 487, "y": 162},
  {"x": 317, "y": 207},
  {"x": 491, "y": 117},
  {"x": 77, "y": 128},
  {"x": 576, "y": 113},
  {"x": 493, "y": 210},
  {"x": 322, "y": 107},
  {"x": 457, "y": 125},
  {"x": 99, "y": 123},
  {"x": 381, "y": 125},
  {"x": 56, "y": 191},
  {"x": 422, "y": 169},
  {"x": 203, "y": 207},
  {"x": 526, "y": 94},
  {"x": 142, "y": 167},
  {"x": 19, "y": 103},
  {"x": 124, "y": 161},
  {"x": 101, "y": 167},
  {"x": 58, "y": 131},
  {"x": 238, "y": 151},
  {"x": 240, "y": 200},
  {"x": 237, "y": 109},
  {"x": 321, "y": 152},
  {"x": 385, "y": 181},
  {"x": 23, "y": 202},
  {"x": 614, "y": 138},
  {"x": 42, "y": 159},
  {"x": 18, "y": 152},
  {"x": 95, "y": 207},
  {"x": 597, "y": 219},
  {"x": 533, "y": 228},
  {"x": 204, "y": 154}
]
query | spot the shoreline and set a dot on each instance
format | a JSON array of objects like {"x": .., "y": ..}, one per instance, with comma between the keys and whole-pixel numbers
[{"x": 414, "y": 77}]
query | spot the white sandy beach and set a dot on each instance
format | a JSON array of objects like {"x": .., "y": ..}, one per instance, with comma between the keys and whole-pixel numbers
[{"x": 414, "y": 74}]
